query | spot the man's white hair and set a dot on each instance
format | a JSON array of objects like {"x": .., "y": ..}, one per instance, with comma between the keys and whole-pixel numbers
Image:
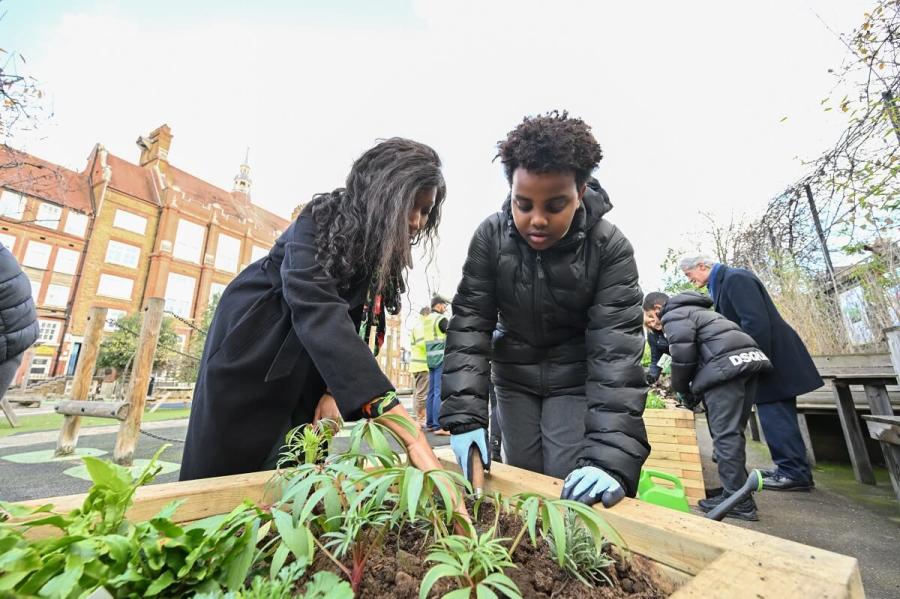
[{"x": 689, "y": 262}]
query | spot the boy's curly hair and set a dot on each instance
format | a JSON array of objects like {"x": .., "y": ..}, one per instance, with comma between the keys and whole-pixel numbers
[{"x": 551, "y": 142}]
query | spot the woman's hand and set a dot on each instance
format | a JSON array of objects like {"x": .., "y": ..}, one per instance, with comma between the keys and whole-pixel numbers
[
  {"x": 327, "y": 409},
  {"x": 421, "y": 455}
]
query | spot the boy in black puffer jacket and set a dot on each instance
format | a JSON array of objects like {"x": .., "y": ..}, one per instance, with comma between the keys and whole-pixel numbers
[{"x": 713, "y": 357}]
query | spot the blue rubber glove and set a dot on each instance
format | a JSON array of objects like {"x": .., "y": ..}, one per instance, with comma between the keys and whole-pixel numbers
[
  {"x": 461, "y": 444},
  {"x": 590, "y": 484}
]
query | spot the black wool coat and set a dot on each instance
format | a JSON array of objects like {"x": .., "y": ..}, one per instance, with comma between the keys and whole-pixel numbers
[
  {"x": 707, "y": 349},
  {"x": 18, "y": 319},
  {"x": 568, "y": 321},
  {"x": 742, "y": 298},
  {"x": 283, "y": 332}
]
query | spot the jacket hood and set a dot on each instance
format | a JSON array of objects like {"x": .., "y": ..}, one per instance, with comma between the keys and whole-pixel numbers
[
  {"x": 595, "y": 204},
  {"x": 687, "y": 298}
]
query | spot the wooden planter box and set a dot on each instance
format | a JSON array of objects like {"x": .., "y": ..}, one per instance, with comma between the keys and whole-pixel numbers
[
  {"x": 673, "y": 448},
  {"x": 705, "y": 559}
]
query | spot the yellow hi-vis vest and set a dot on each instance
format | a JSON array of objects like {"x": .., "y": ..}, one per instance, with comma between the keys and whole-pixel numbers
[{"x": 418, "y": 361}]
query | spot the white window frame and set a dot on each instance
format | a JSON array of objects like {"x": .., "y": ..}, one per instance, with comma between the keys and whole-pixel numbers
[
  {"x": 107, "y": 286},
  {"x": 8, "y": 241},
  {"x": 66, "y": 261},
  {"x": 37, "y": 261},
  {"x": 129, "y": 221},
  {"x": 35, "y": 289},
  {"x": 46, "y": 326},
  {"x": 12, "y": 204},
  {"x": 56, "y": 296},
  {"x": 48, "y": 215},
  {"x": 257, "y": 253},
  {"x": 189, "y": 237},
  {"x": 228, "y": 253},
  {"x": 123, "y": 254},
  {"x": 114, "y": 316},
  {"x": 216, "y": 289},
  {"x": 42, "y": 363},
  {"x": 76, "y": 223},
  {"x": 180, "y": 297}
]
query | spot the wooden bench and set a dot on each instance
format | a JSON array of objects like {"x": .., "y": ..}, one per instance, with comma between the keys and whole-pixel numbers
[
  {"x": 875, "y": 386},
  {"x": 886, "y": 430}
]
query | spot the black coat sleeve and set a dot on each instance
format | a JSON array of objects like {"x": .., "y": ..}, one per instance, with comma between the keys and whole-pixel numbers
[
  {"x": 749, "y": 304},
  {"x": 464, "y": 385},
  {"x": 616, "y": 439},
  {"x": 655, "y": 354},
  {"x": 322, "y": 321},
  {"x": 681, "y": 331}
]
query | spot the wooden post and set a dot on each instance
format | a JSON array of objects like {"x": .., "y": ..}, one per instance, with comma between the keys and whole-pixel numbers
[
  {"x": 893, "y": 340},
  {"x": 856, "y": 446},
  {"x": 136, "y": 395},
  {"x": 9, "y": 412},
  {"x": 84, "y": 374}
]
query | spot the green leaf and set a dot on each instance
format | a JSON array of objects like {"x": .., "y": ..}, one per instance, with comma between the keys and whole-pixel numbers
[
  {"x": 462, "y": 593},
  {"x": 483, "y": 591},
  {"x": 433, "y": 575},
  {"x": 160, "y": 584},
  {"x": 504, "y": 583},
  {"x": 298, "y": 538},
  {"x": 61, "y": 585},
  {"x": 237, "y": 568},
  {"x": 558, "y": 530},
  {"x": 9, "y": 580},
  {"x": 278, "y": 559},
  {"x": 412, "y": 491},
  {"x": 106, "y": 474}
]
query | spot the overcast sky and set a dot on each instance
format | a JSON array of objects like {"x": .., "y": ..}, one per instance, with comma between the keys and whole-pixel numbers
[{"x": 686, "y": 98}]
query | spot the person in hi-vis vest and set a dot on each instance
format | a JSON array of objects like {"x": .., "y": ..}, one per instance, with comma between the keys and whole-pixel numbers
[
  {"x": 418, "y": 365},
  {"x": 435, "y": 330}
]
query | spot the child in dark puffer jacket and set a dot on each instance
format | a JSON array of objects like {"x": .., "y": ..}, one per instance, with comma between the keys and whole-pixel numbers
[{"x": 713, "y": 357}]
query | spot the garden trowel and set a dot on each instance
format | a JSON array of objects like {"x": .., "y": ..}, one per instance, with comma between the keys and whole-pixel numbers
[{"x": 476, "y": 470}]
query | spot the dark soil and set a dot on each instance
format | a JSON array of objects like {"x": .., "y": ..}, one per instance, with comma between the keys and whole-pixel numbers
[{"x": 395, "y": 570}]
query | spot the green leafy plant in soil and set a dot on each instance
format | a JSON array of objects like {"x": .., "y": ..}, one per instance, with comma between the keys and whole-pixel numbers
[{"x": 364, "y": 523}]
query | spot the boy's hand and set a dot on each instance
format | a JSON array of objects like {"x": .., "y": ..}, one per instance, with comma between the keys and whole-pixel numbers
[{"x": 591, "y": 485}]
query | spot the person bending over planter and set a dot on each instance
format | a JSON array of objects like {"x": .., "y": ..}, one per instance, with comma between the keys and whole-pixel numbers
[
  {"x": 556, "y": 285},
  {"x": 289, "y": 342},
  {"x": 713, "y": 357}
]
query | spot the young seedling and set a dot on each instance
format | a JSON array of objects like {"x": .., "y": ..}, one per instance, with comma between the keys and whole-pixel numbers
[{"x": 477, "y": 563}]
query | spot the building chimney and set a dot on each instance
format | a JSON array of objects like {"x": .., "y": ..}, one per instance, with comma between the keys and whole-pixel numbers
[{"x": 156, "y": 145}]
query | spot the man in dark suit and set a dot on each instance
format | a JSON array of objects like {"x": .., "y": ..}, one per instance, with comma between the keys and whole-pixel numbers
[{"x": 741, "y": 297}]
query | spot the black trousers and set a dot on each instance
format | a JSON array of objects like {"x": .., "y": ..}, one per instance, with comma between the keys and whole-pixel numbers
[
  {"x": 779, "y": 423},
  {"x": 727, "y": 411}
]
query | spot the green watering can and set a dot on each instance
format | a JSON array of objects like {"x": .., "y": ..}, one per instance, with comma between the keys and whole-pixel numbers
[{"x": 662, "y": 495}]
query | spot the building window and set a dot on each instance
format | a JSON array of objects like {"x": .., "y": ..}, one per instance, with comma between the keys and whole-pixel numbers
[
  {"x": 180, "y": 294},
  {"x": 257, "y": 252},
  {"x": 112, "y": 317},
  {"x": 130, "y": 222},
  {"x": 37, "y": 255},
  {"x": 12, "y": 204},
  {"x": 228, "y": 253},
  {"x": 48, "y": 330},
  {"x": 66, "y": 261},
  {"x": 40, "y": 367},
  {"x": 35, "y": 289},
  {"x": 215, "y": 291},
  {"x": 8, "y": 241},
  {"x": 48, "y": 215},
  {"x": 188, "y": 241},
  {"x": 76, "y": 223},
  {"x": 57, "y": 295},
  {"x": 117, "y": 287},
  {"x": 123, "y": 254},
  {"x": 182, "y": 341}
]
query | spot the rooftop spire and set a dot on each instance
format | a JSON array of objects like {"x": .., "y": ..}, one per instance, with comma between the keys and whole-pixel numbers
[{"x": 242, "y": 181}]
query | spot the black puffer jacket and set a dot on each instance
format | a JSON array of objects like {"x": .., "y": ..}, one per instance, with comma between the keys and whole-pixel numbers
[
  {"x": 573, "y": 312},
  {"x": 707, "y": 349},
  {"x": 18, "y": 319}
]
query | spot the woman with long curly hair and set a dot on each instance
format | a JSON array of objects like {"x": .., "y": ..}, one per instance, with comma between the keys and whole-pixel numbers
[{"x": 289, "y": 343}]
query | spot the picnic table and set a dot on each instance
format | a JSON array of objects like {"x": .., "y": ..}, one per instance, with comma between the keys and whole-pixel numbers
[{"x": 875, "y": 386}]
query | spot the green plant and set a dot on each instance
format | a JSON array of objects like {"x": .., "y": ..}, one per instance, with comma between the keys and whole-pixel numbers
[
  {"x": 582, "y": 558},
  {"x": 322, "y": 585},
  {"x": 655, "y": 402},
  {"x": 98, "y": 547},
  {"x": 476, "y": 562}
]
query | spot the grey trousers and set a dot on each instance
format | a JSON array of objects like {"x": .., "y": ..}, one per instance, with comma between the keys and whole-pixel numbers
[
  {"x": 8, "y": 371},
  {"x": 727, "y": 411},
  {"x": 541, "y": 434}
]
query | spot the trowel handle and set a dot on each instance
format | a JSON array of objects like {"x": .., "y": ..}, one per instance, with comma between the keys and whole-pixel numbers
[{"x": 476, "y": 469}]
